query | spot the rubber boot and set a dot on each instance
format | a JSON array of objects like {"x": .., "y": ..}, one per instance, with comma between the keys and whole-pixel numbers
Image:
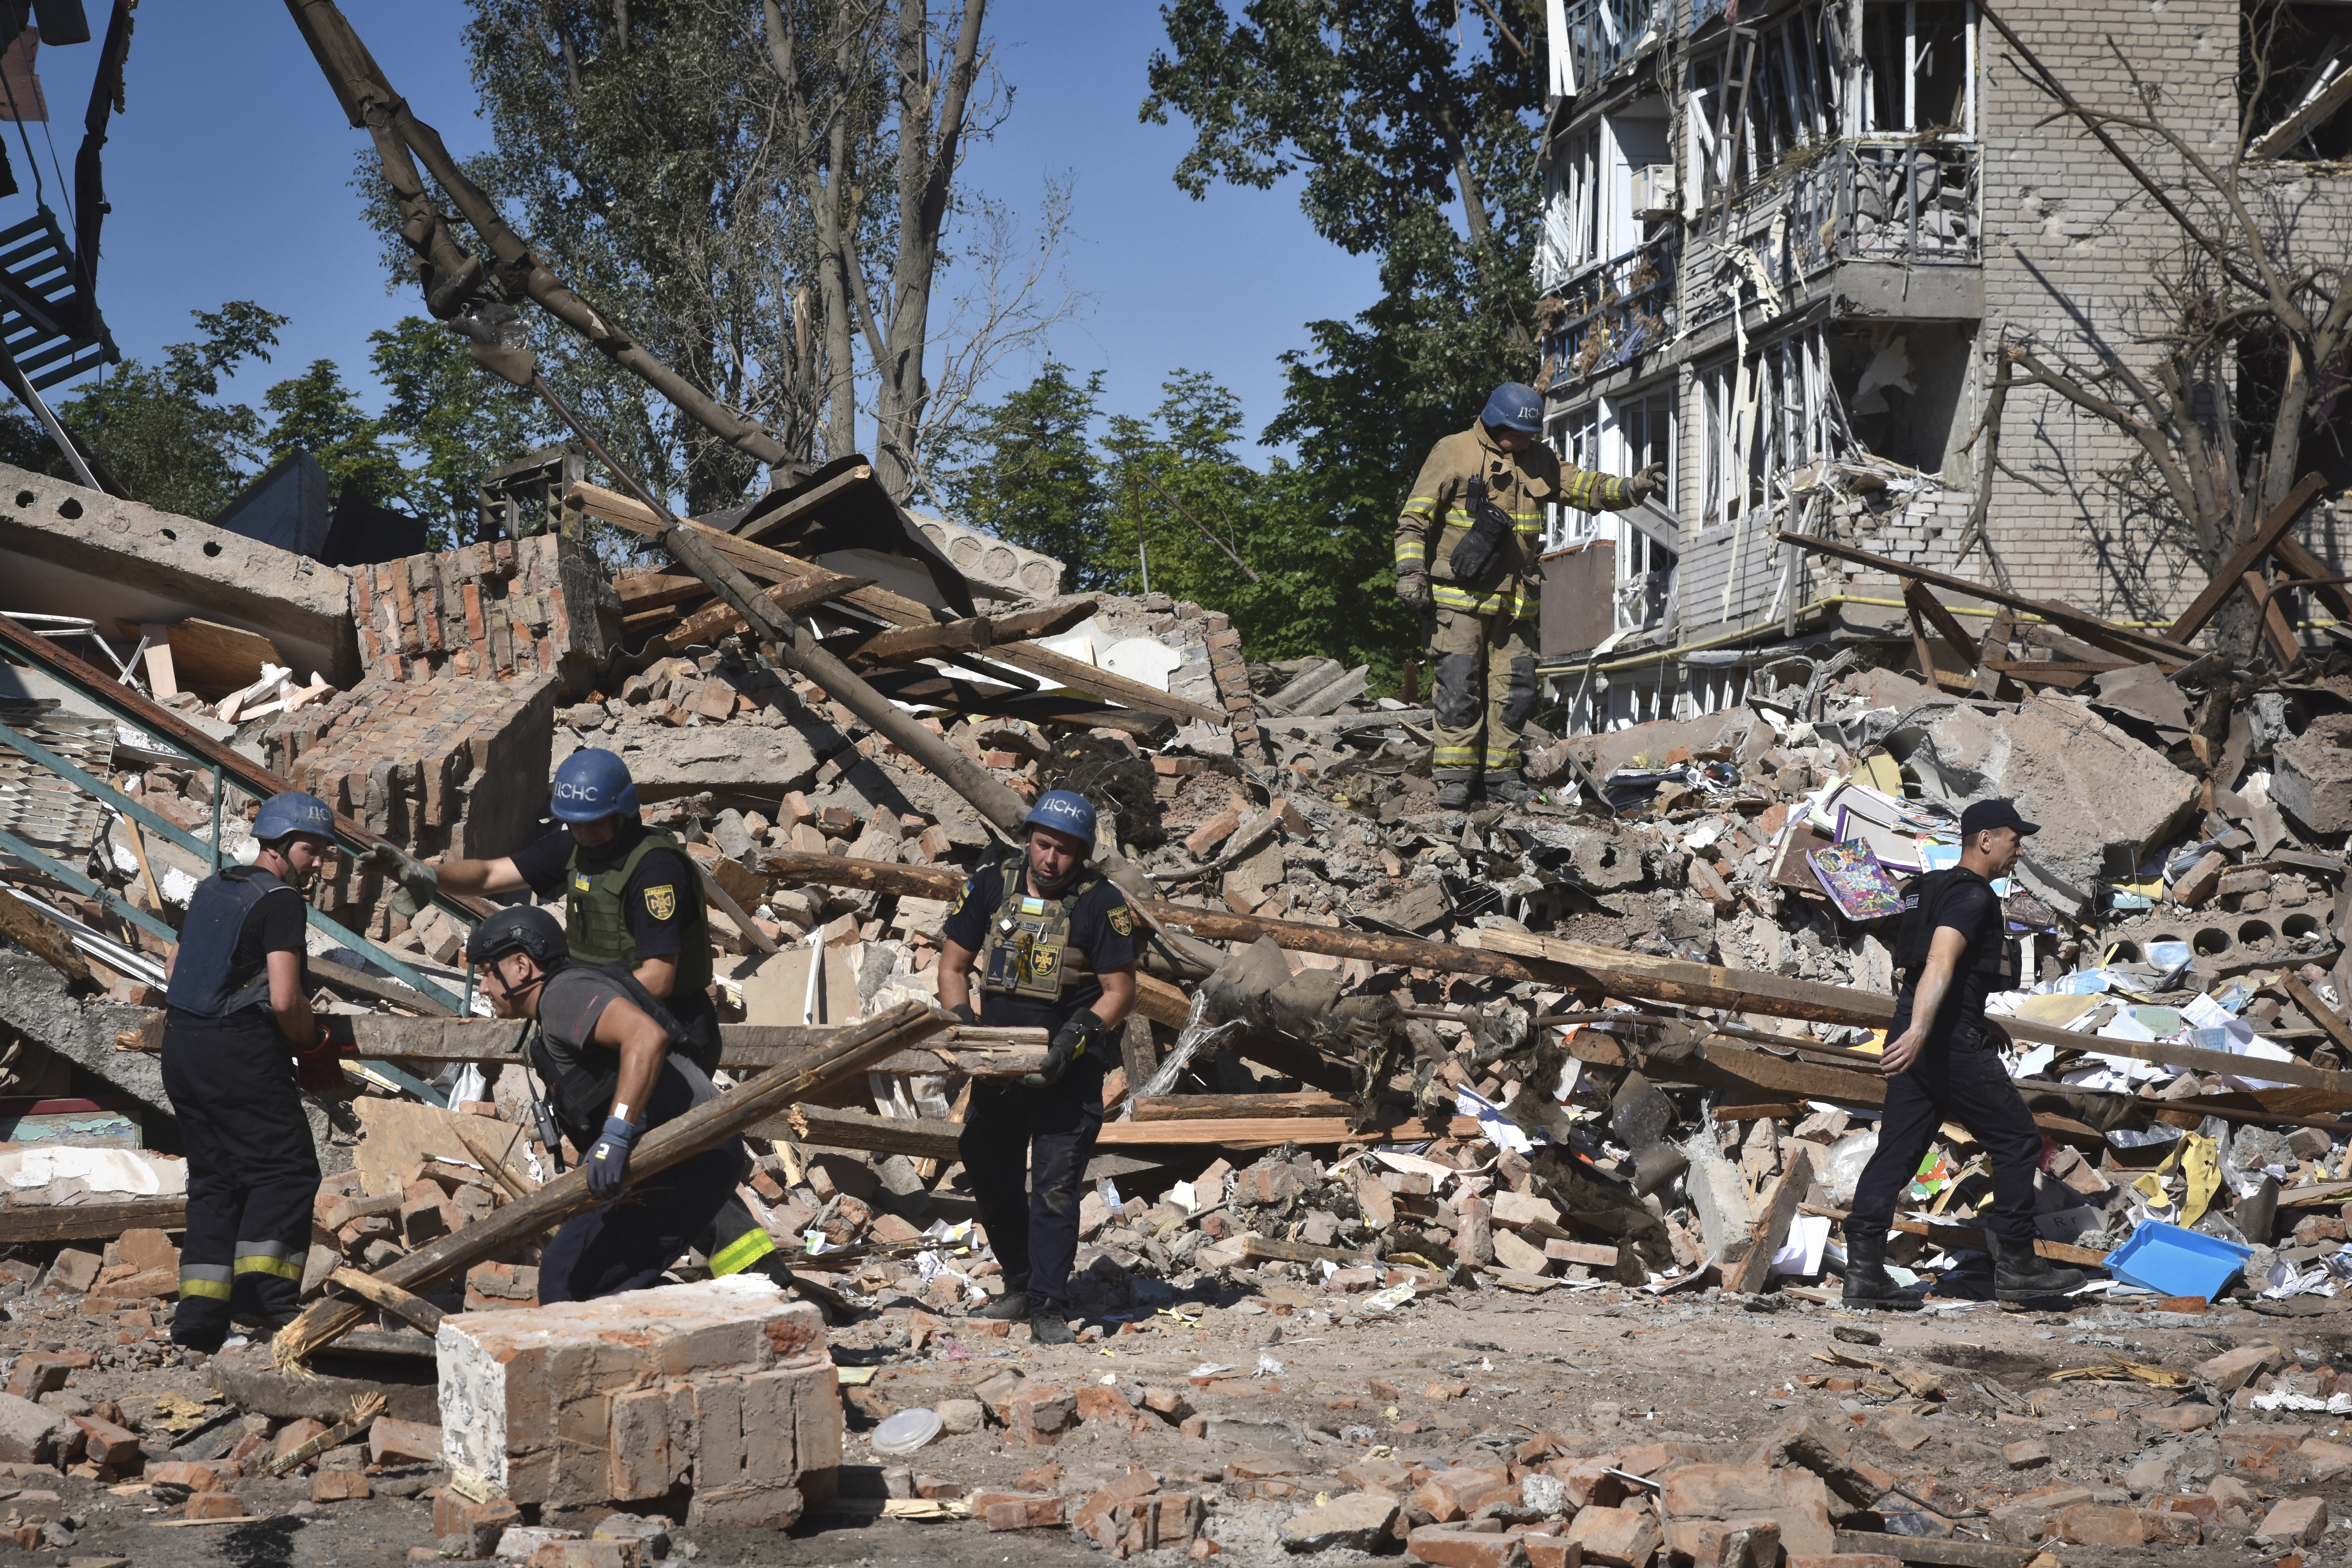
[
  {"x": 1509, "y": 789},
  {"x": 2024, "y": 1275},
  {"x": 1011, "y": 1307},
  {"x": 1456, "y": 794},
  {"x": 1867, "y": 1283}
]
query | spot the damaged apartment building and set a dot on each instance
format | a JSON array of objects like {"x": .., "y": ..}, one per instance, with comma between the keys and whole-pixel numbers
[{"x": 1781, "y": 245}]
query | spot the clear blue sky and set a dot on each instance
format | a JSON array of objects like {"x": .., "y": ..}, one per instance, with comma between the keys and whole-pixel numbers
[{"x": 229, "y": 178}]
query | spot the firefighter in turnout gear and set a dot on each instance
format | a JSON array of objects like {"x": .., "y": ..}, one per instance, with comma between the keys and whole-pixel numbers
[
  {"x": 614, "y": 1063},
  {"x": 237, "y": 1010},
  {"x": 1466, "y": 558},
  {"x": 631, "y": 896},
  {"x": 1055, "y": 945}
]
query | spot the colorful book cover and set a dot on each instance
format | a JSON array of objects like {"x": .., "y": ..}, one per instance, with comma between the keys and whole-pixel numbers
[{"x": 1856, "y": 883}]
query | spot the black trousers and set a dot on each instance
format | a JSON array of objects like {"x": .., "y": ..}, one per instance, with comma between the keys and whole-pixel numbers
[
  {"x": 1962, "y": 1081},
  {"x": 253, "y": 1174},
  {"x": 1045, "y": 1135},
  {"x": 627, "y": 1244}
]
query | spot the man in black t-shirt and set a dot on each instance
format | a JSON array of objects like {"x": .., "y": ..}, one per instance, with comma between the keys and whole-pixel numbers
[
  {"x": 1057, "y": 945},
  {"x": 1943, "y": 1063},
  {"x": 631, "y": 894}
]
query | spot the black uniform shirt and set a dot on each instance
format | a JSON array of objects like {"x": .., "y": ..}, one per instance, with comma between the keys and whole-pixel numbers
[
  {"x": 1101, "y": 926},
  {"x": 276, "y": 924},
  {"x": 1967, "y": 906},
  {"x": 571, "y": 1002},
  {"x": 662, "y": 882}
]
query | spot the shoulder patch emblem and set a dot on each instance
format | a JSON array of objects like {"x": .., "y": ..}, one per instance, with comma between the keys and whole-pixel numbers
[
  {"x": 662, "y": 902},
  {"x": 961, "y": 894},
  {"x": 1123, "y": 921}
]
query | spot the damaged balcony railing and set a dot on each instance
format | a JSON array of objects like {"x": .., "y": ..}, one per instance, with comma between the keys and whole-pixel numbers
[
  {"x": 1601, "y": 34},
  {"x": 1910, "y": 202},
  {"x": 1616, "y": 309}
]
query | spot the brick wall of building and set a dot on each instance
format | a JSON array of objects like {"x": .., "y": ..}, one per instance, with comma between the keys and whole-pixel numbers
[{"x": 539, "y": 607}]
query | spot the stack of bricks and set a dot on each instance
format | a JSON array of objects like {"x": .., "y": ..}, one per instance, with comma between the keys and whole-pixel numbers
[
  {"x": 541, "y": 607},
  {"x": 1231, "y": 672},
  {"x": 446, "y": 764},
  {"x": 723, "y": 1386}
]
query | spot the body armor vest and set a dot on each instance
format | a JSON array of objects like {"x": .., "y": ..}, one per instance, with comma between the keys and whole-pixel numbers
[
  {"x": 581, "y": 1095},
  {"x": 1028, "y": 951},
  {"x": 597, "y": 926},
  {"x": 204, "y": 979},
  {"x": 1913, "y": 938}
]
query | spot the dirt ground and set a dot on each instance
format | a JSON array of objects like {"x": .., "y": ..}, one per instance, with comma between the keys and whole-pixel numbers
[{"x": 1465, "y": 1378}]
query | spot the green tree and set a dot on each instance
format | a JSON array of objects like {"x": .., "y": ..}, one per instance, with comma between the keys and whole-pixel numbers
[
  {"x": 316, "y": 412},
  {"x": 459, "y": 421},
  {"x": 1029, "y": 475}
]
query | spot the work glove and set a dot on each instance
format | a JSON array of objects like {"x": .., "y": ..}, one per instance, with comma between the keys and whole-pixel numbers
[
  {"x": 1068, "y": 1046},
  {"x": 418, "y": 880},
  {"x": 963, "y": 1014},
  {"x": 317, "y": 1069},
  {"x": 1646, "y": 483},
  {"x": 608, "y": 1163},
  {"x": 1413, "y": 588}
]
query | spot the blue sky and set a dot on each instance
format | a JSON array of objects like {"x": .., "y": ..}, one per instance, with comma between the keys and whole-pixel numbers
[{"x": 229, "y": 178}]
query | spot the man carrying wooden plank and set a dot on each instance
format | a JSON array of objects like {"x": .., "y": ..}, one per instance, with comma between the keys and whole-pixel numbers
[
  {"x": 1943, "y": 1062},
  {"x": 1057, "y": 945}
]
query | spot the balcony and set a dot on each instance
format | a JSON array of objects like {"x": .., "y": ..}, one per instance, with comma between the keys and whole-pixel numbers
[
  {"x": 1616, "y": 309},
  {"x": 1913, "y": 202},
  {"x": 1598, "y": 36}
]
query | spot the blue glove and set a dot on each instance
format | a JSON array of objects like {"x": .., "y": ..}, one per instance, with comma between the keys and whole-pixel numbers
[{"x": 608, "y": 1162}]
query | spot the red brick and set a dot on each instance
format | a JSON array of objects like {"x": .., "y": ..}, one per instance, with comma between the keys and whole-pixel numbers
[
  {"x": 403, "y": 1442},
  {"x": 588, "y": 1555},
  {"x": 2092, "y": 1524},
  {"x": 2297, "y": 1522},
  {"x": 1003, "y": 1513},
  {"x": 340, "y": 1486},
  {"x": 1616, "y": 1537},
  {"x": 216, "y": 1505},
  {"x": 1041, "y": 1413},
  {"x": 1449, "y": 1546},
  {"x": 180, "y": 1473}
]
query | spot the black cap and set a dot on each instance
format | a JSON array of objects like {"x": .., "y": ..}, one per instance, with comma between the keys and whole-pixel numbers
[{"x": 1986, "y": 814}]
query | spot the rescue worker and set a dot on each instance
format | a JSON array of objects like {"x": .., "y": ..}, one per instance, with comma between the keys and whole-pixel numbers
[
  {"x": 238, "y": 1008},
  {"x": 631, "y": 896},
  {"x": 1057, "y": 945},
  {"x": 613, "y": 1062},
  {"x": 1943, "y": 1063},
  {"x": 1466, "y": 558}
]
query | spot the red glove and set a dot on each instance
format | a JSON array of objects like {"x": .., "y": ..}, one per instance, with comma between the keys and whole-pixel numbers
[{"x": 316, "y": 1069}]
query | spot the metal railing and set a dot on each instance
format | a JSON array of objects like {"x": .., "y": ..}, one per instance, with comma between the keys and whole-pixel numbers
[
  {"x": 1909, "y": 202},
  {"x": 1616, "y": 309},
  {"x": 1601, "y": 34}
]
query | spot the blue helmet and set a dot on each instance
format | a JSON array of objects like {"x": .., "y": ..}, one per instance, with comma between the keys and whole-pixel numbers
[
  {"x": 1514, "y": 406},
  {"x": 593, "y": 784},
  {"x": 1064, "y": 812},
  {"x": 293, "y": 811}
]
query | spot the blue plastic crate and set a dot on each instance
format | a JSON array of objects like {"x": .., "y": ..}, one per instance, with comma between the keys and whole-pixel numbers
[{"x": 2171, "y": 1261}]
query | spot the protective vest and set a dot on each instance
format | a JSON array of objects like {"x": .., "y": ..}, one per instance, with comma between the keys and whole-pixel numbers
[
  {"x": 597, "y": 926},
  {"x": 1435, "y": 526},
  {"x": 580, "y": 1093},
  {"x": 205, "y": 979},
  {"x": 1028, "y": 951},
  {"x": 1917, "y": 932}
]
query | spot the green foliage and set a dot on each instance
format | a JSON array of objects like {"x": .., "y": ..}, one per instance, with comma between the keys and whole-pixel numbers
[
  {"x": 459, "y": 421},
  {"x": 1030, "y": 476},
  {"x": 316, "y": 412}
]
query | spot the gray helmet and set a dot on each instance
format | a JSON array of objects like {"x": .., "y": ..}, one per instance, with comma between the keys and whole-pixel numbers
[
  {"x": 291, "y": 811},
  {"x": 526, "y": 927}
]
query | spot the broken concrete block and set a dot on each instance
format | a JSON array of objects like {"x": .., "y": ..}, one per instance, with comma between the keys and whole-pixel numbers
[
  {"x": 75, "y": 1270},
  {"x": 2311, "y": 775},
  {"x": 1359, "y": 1521},
  {"x": 2294, "y": 1521},
  {"x": 2199, "y": 883},
  {"x": 30, "y": 1434},
  {"x": 724, "y": 1385},
  {"x": 1615, "y": 1537},
  {"x": 2229, "y": 1371},
  {"x": 1796, "y": 1500},
  {"x": 2091, "y": 1524},
  {"x": 2103, "y": 799}
]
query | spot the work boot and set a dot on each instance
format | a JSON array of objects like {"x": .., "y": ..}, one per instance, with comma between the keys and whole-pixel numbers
[
  {"x": 1509, "y": 789},
  {"x": 1456, "y": 794},
  {"x": 1011, "y": 1307},
  {"x": 1867, "y": 1283},
  {"x": 1048, "y": 1326},
  {"x": 2028, "y": 1275}
]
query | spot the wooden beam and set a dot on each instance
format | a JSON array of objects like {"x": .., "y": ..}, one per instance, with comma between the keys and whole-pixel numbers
[
  {"x": 803, "y": 507},
  {"x": 734, "y": 1112},
  {"x": 1948, "y": 626},
  {"x": 2275, "y": 631},
  {"x": 930, "y": 689},
  {"x": 918, "y": 1138},
  {"x": 22, "y": 922},
  {"x": 2126, "y": 642},
  {"x": 908, "y": 645},
  {"x": 721, "y": 621},
  {"x": 928, "y": 1138},
  {"x": 1770, "y": 1231},
  {"x": 2318, "y": 1012},
  {"x": 2300, "y": 563},
  {"x": 26, "y": 1224},
  {"x": 775, "y": 566},
  {"x": 656, "y": 589},
  {"x": 1161, "y": 1001},
  {"x": 1204, "y": 1107},
  {"x": 2232, "y": 572},
  {"x": 410, "y": 1308},
  {"x": 2274, "y": 141}
]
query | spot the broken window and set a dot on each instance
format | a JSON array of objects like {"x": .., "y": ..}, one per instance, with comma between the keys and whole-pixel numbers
[
  {"x": 1643, "y": 426},
  {"x": 1610, "y": 184},
  {"x": 2295, "y": 78},
  {"x": 1902, "y": 388},
  {"x": 1576, "y": 437},
  {"x": 1765, "y": 421},
  {"x": 1918, "y": 58}
]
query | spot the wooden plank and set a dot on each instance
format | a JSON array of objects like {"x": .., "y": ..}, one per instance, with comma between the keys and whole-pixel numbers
[
  {"x": 1948, "y": 626},
  {"x": 162, "y": 680},
  {"x": 413, "y": 1308},
  {"x": 1770, "y": 1231},
  {"x": 721, "y": 621},
  {"x": 1202, "y": 1107},
  {"x": 2318, "y": 1012},
  {"x": 25, "y": 1224},
  {"x": 2300, "y": 563},
  {"x": 2230, "y": 574},
  {"x": 907, "y": 645},
  {"x": 925, "y": 685},
  {"x": 1161, "y": 1001},
  {"x": 657, "y": 589},
  {"x": 2275, "y": 631},
  {"x": 213, "y": 660},
  {"x": 2128, "y": 642},
  {"x": 1955, "y": 1552},
  {"x": 22, "y": 922},
  {"x": 775, "y": 566},
  {"x": 918, "y": 1138},
  {"x": 803, "y": 507}
]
